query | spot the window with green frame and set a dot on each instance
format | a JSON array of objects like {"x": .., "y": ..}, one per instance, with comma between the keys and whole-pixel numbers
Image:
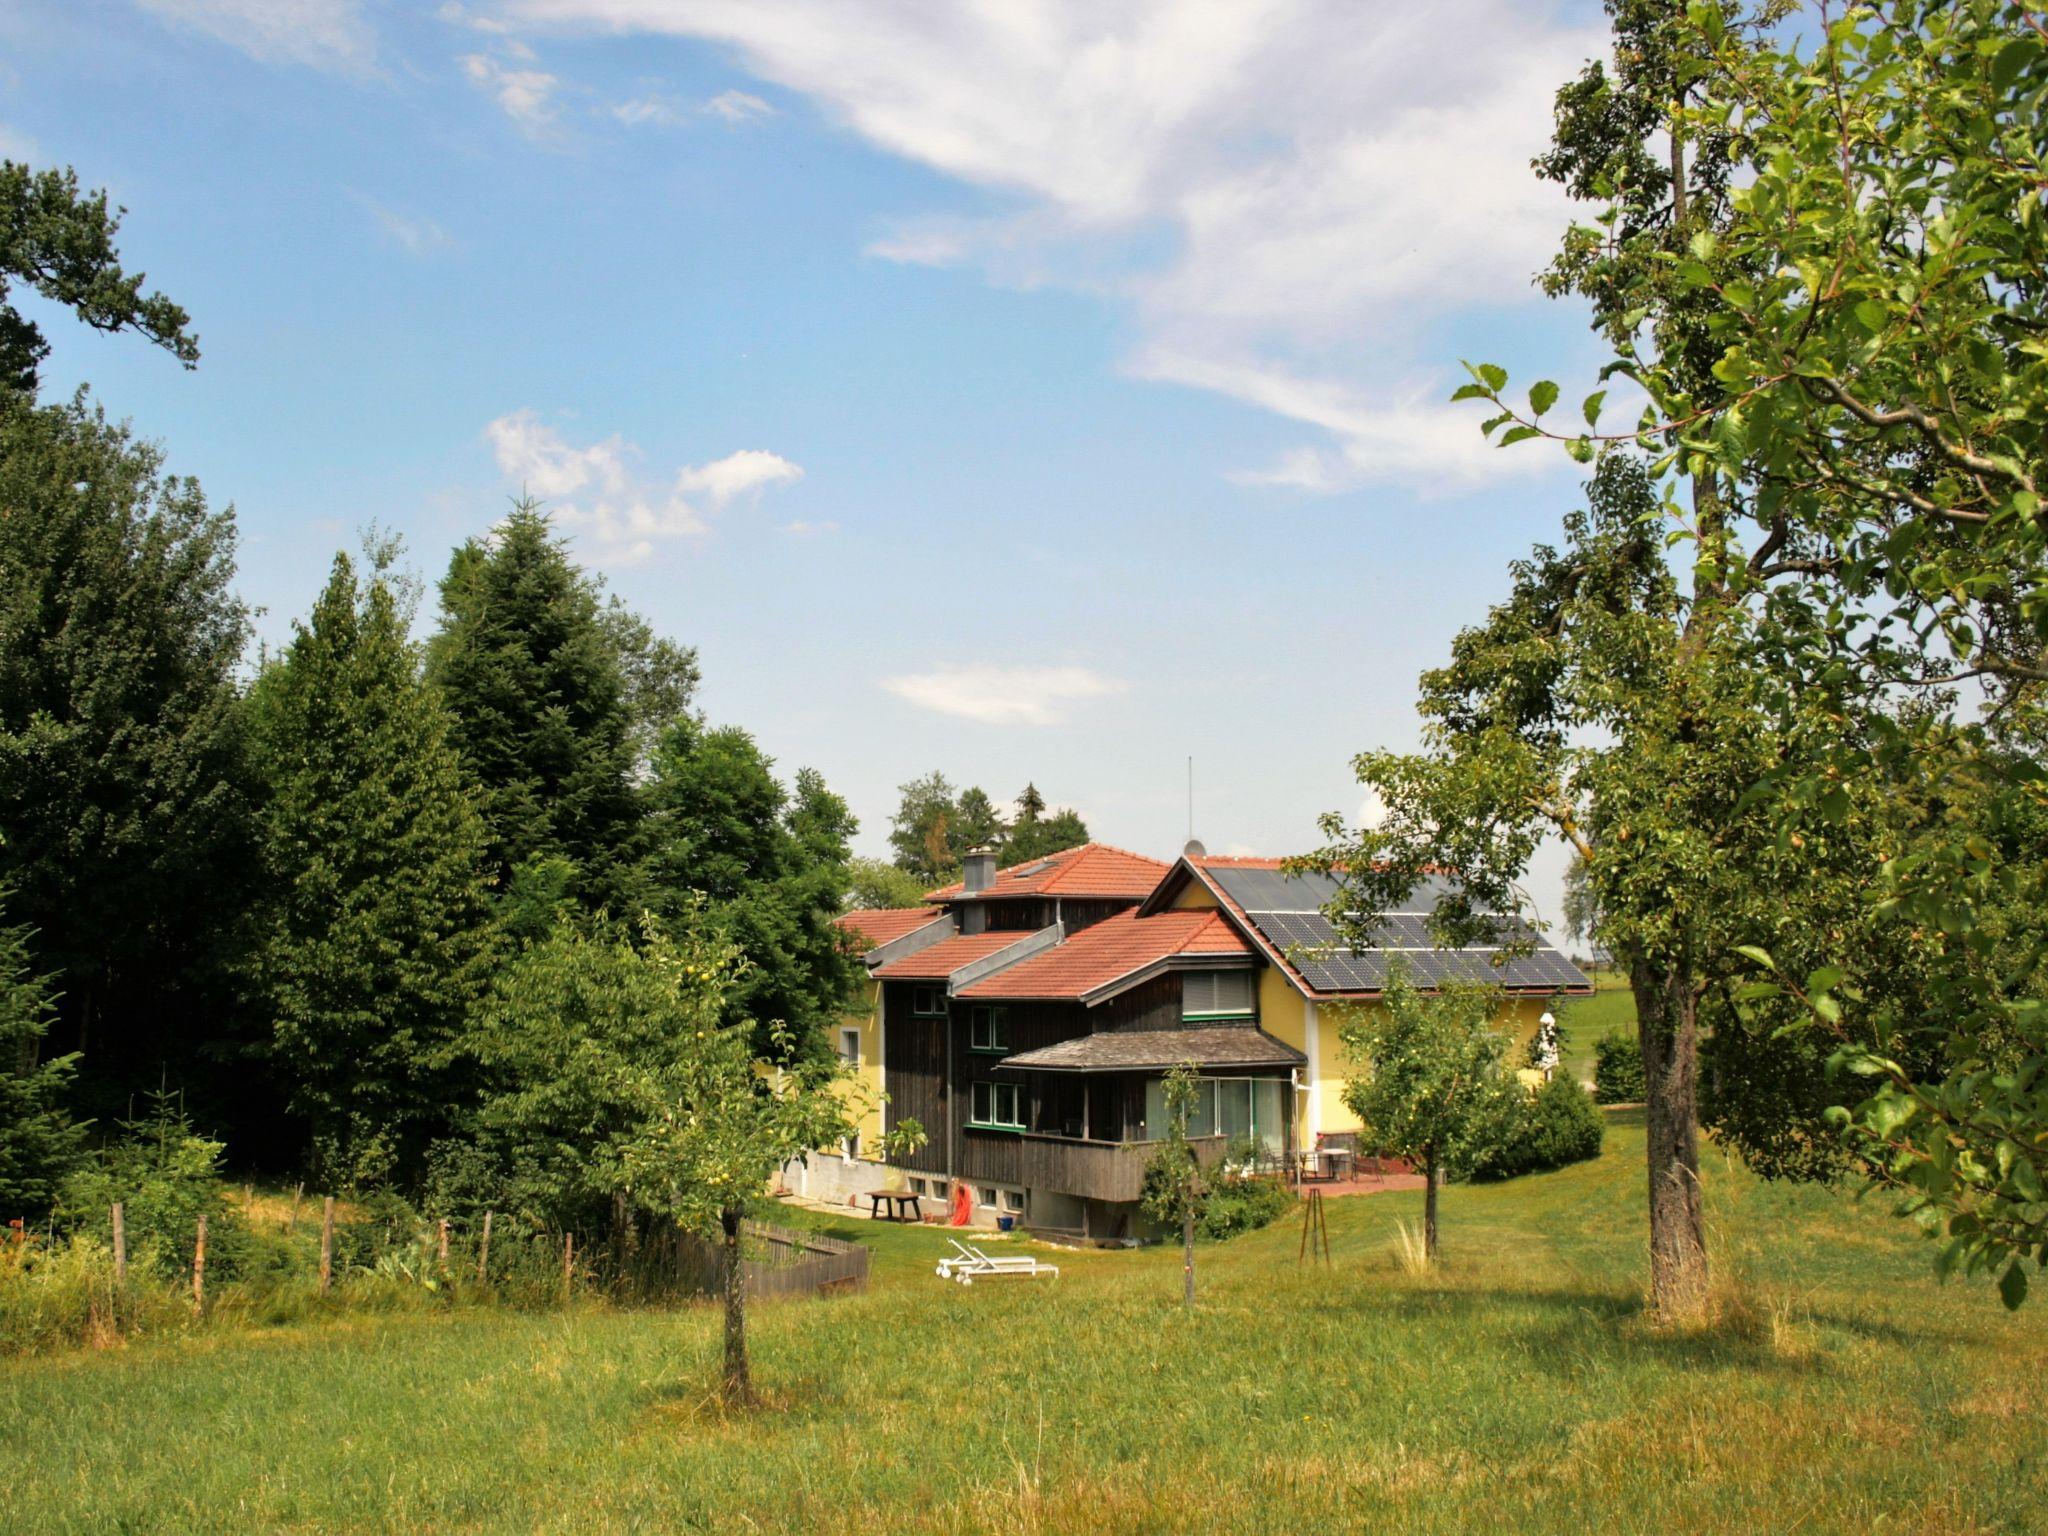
[
  {"x": 1217, "y": 995},
  {"x": 997, "y": 1107},
  {"x": 989, "y": 1029}
]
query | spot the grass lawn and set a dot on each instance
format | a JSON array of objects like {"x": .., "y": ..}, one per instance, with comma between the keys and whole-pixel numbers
[
  {"x": 1516, "y": 1390},
  {"x": 1611, "y": 1010}
]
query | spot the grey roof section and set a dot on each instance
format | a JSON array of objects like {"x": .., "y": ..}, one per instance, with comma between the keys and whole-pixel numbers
[
  {"x": 1287, "y": 911},
  {"x": 1028, "y": 945},
  {"x": 906, "y": 944},
  {"x": 1145, "y": 1050}
]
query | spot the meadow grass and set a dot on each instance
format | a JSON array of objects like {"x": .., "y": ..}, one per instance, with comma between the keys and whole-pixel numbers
[
  {"x": 1611, "y": 1010},
  {"x": 1516, "y": 1387}
]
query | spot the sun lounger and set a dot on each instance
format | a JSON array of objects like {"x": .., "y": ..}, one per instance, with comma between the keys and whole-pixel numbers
[{"x": 969, "y": 1263}]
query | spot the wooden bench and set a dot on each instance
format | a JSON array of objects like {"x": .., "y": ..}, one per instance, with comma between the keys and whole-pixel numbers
[{"x": 902, "y": 1206}]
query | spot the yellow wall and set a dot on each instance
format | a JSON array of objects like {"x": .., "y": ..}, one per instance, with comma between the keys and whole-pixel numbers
[
  {"x": 1194, "y": 896},
  {"x": 865, "y": 1088}
]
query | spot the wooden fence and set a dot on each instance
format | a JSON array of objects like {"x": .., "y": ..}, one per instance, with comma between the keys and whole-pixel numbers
[{"x": 775, "y": 1261}]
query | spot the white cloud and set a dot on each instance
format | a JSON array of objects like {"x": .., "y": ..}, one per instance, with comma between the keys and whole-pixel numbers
[
  {"x": 324, "y": 34},
  {"x": 656, "y": 110},
  {"x": 1003, "y": 695},
  {"x": 650, "y": 111},
  {"x": 598, "y": 490},
  {"x": 414, "y": 236},
  {"x": 737, "y": 107},
  {"x": 526, "y": 95},
  {"x": 1327, "y": 180},
  {"x": 802, "y": 529}
]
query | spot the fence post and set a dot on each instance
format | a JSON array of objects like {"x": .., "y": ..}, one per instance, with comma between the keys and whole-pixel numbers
[
  {"x": 442, "y": 1235},
  {"x": 199, "y": 1269},
  {"x": 483, "y": 1253},
  {"x": 298, "y": 1192},
  {"x": 568, "y": 1264},
  {"x": 120, "y": 1246},
  {"x": 326, "y": 1244}
]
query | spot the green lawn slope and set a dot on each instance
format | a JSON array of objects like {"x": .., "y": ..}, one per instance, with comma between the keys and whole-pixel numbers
[{"x": 1518, "y": 1389}]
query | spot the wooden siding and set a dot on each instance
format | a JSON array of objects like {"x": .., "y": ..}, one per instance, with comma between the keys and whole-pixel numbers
[
  {"x": 914, "y": 1057},
  {"x": 1153, "y": 1004}
]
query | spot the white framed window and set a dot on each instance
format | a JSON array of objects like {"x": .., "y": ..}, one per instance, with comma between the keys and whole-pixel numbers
[
  {"x": 989, "y": 1029},
  {"x": 1216, "y": 995},
  {"x": 917, "y": 1187},
  {"x": 997, "y": 1106},
  {"x": 990, "y": 1195},
  {"x": 849, "y": 1045},
  {"x": 928, "y": 1002},
  {"x": 850, "y": 1148},
  {"x": 1013, "y": 1200}
]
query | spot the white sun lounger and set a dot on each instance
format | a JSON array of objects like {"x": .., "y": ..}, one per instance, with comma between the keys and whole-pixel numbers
[{"x": 968, "y": 1262}]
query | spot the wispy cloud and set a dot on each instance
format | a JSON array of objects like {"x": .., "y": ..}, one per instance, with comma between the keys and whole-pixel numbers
[
  {"x": 1003, "y": 695},
  {"x": 322, "y": 34},
  {"x": 598, "y": 489},
  {"x": 526, "y": 95},
  {"x": 414, "y": 236},
  {"x": 656, "y": 109},
  {"x": 1333, "y": 181},
  {"x": 737, "y": 107}
]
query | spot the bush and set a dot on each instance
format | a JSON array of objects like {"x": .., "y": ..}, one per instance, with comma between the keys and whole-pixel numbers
[
  {"x": 1618, "y": 1070},
  {"x": 1556, "y": 1125},
  {"x": 1239, "y": 1204},
  {"x": 62, "y": 1294},
  {"x": 166, "y": 1176}
]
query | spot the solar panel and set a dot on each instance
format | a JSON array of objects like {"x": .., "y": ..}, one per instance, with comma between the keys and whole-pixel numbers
[{"x": 1285, "y": 910}]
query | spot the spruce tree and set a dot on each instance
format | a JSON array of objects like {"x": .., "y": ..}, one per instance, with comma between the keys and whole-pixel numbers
[
  {"x": 531, "y": 670},
  {"x": 39, "y": 1141},
  {"x": 376, "y": 927}
]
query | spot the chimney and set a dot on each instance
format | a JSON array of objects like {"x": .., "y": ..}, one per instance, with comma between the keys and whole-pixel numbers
[{"x": 977, "y": 870}]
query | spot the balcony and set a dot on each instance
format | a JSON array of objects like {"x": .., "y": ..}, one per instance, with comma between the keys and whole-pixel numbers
[{"x": 1096, "y": 1170}]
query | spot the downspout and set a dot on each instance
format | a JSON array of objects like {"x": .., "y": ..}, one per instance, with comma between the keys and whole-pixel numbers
[{"x": 1311, "y": 1046}]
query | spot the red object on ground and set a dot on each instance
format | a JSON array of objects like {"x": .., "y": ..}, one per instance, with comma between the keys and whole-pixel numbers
[{"x": 963, "y": 1205}]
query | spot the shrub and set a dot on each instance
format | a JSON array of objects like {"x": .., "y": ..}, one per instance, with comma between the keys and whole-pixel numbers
[
  {"x": 1618, "y": 1070},
  {"x": 1239, "y": 1204},
  {"x": 1556, "y": 1125},
  {"x": 61, "y": 1294}
]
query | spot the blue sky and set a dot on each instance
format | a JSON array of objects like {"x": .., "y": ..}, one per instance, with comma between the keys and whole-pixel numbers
[{"x": 1042, "y": 391}]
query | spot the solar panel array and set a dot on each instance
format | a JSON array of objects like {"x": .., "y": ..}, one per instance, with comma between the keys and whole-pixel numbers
[{"x": 1286, "y": 909}]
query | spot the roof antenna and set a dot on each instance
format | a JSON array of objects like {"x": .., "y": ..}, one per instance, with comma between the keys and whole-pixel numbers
[{"x": 1193, "y": 850}]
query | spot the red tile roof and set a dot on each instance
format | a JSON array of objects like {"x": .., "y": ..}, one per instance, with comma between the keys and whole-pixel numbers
[
  {"x": 877, "y": 926},
  {"x": 1093, "y": 869},
  {"x": 1110, "y": 950},
  {"x": 935, "y": 962}
]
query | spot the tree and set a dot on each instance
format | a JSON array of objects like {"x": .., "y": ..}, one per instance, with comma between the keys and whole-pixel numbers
[
  {"x": 760, "y": 866},
  {"x": 872, "y": 884},
  {"x": 976, "y": 823},
  {"x": 61, "y": 244},
  {"x": 1581, "y": 904},
  {"x": 375, "y": 924},
  {"x": 1871, "y": 312},
  {"x": 611, "y": 1073},
  {"x": 39, "y": 1141},
  {"x": 1033, "y": 834},
  {"x": 1432, "y": 1083},
  {"x": 923, "y": 833},
  {"x": 124, "y": 785},
  {"x": 1176, "y": 1187},
  {"x": 533, "y": 675}
]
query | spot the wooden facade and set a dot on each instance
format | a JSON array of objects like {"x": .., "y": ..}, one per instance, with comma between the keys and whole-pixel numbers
[{"x": 1083, "y": 1135}]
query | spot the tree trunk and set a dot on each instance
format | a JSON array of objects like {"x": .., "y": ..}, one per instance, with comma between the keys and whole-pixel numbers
[
  {"x": 1187, "y": 1257},
  {"x": 1667, "y": 1013},
  {"x": 1431, "y": 1175},
  {"x": 739, "y": 1380}
]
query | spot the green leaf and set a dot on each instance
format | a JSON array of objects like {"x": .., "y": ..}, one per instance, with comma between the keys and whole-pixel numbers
[
  {"x": 1519, "y": 434},
  {"x": 1542, "y": 396},
  {"x": 1470, "y": 392},
  {"x": 1495, "y": 376},
  {"x": 1581, "y": 449},
  {"x": 1592, "y": 407},
  {"x": 1872, "y": 315},
  {"x": 2012, "y": 1286},
  {"x": 1761, "y": 956},
  {"x": 2012, "y": 59}
]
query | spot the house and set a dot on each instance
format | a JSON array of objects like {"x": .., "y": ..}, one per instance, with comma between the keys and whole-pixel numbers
[{"x": 1026, "y": 1017}]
